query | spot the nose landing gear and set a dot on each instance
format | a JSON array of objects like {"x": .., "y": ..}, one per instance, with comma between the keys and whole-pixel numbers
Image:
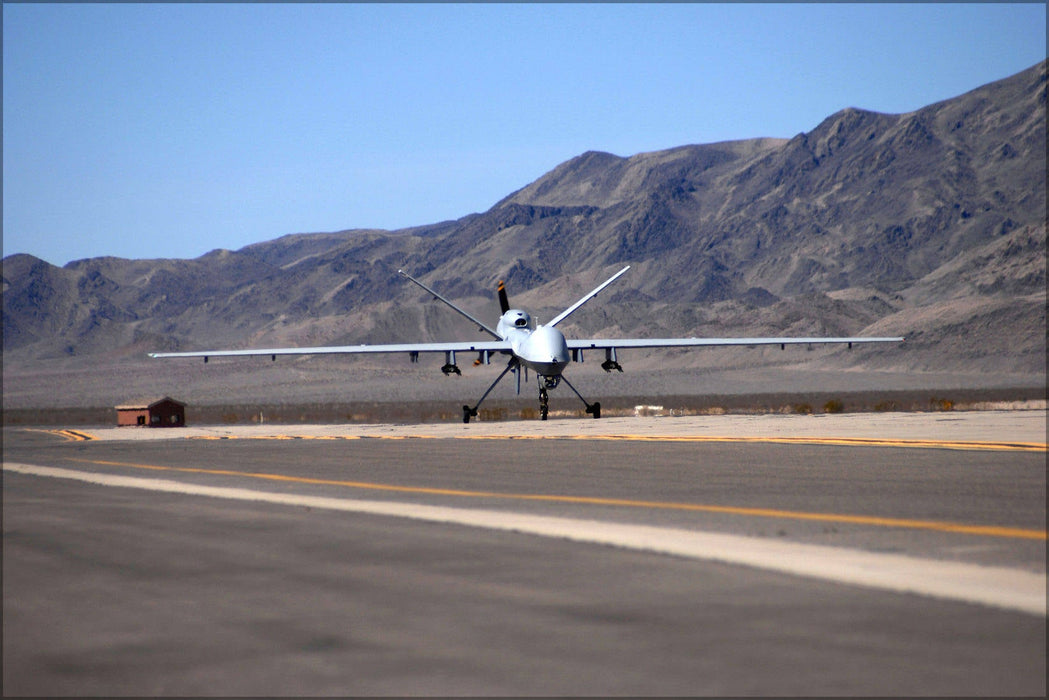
[{"x": 545, "y": 382}]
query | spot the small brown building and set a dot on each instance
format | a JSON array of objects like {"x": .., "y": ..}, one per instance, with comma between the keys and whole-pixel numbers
[{"x": 161, "y": 413}]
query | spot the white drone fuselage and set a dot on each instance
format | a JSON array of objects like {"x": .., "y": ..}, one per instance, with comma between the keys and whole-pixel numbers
[{"x": 542, "y": 349}]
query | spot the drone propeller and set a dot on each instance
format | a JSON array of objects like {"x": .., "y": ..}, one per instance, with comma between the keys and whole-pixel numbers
[{"x": 504, "y": 302}]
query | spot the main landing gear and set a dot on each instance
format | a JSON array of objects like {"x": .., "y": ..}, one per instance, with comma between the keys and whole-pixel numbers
[
  {"x": 469, "y": 412},
  {"x": 545, "y": 383},
  {"x": 593, "y": 409}
]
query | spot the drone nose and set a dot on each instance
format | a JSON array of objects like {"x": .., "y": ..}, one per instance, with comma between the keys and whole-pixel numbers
[{"x": 549, "y": 343}]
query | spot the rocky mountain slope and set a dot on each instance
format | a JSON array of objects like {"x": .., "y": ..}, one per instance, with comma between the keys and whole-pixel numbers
[{"x": 930, "y": 224}]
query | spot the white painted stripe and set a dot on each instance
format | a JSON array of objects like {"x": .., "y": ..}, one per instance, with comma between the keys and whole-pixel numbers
[{"x": 1000, "y": 587}]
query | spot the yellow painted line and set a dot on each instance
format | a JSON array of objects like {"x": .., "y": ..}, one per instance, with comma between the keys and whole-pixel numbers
[
  {"x": 960, "y": 528},
  {"x": 1000, "y": 587},
  {"x": 71, "y": 435},
  {"x": 800, "y": 440},
  {"x": 312, "y": 437}
]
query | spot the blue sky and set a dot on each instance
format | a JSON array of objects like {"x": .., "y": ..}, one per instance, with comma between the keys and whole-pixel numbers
[{"x": 164, "y": 130}]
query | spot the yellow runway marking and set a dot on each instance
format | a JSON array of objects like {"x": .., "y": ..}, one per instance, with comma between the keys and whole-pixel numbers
[
  {"x": 803, "y": 440},
  {"x": 999, "y": 587},
  {"x": 71, "y": 435},
  {"x": 313, "y": 437},
  {"x": 960, "y": 528}
]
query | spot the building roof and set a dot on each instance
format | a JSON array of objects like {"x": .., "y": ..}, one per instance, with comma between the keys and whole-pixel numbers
[{"x": 147, "y": 404}]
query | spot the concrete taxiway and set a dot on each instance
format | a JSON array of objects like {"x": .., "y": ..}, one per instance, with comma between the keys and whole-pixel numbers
[
  {"x": 996, "y": 427},
  {"x": 720, "y": 561}
]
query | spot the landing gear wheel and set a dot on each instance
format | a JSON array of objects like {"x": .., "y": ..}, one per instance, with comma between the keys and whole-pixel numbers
[
  {"x": 544, "y": 407},
  {"x": 543, "y": 411},
  {"x": 467, "y": 412},
  {"x": 595, "y": 409}
]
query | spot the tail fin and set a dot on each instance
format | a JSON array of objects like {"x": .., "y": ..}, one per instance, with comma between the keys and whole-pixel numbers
[
  {"x": 564, "y": 314},
  {"x": 480, "y": 326}
]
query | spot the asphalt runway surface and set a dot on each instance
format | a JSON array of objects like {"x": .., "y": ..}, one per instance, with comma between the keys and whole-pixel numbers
[{"x": 561, "y": 566}]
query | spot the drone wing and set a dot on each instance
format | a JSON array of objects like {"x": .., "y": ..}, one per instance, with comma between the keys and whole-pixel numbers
[
  {"x": 610, "y": 345},
  {"x": 614, "y": 343},
  {"x": 484, "y": 346}
]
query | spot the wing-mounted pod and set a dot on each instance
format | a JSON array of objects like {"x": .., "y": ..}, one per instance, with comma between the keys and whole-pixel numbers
[
  {"x": 611, "y": 363},
  {"x": 449, "y": 364}
]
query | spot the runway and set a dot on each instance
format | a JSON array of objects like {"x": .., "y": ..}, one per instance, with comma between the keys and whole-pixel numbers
[{"x": 504, "y": 567}]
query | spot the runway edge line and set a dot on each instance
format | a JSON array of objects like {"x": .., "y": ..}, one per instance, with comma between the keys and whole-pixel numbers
[{"x": 1009, "y": 589}]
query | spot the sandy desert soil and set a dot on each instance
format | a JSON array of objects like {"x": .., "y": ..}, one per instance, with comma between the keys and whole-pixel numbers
[{"x": 328, "y": 390}]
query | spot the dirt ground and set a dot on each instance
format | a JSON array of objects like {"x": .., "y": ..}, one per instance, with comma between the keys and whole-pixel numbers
[{"x": 334, "y": 391}]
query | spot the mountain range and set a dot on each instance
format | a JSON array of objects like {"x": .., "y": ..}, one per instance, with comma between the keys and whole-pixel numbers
[{"x": 930, "y": 225}]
